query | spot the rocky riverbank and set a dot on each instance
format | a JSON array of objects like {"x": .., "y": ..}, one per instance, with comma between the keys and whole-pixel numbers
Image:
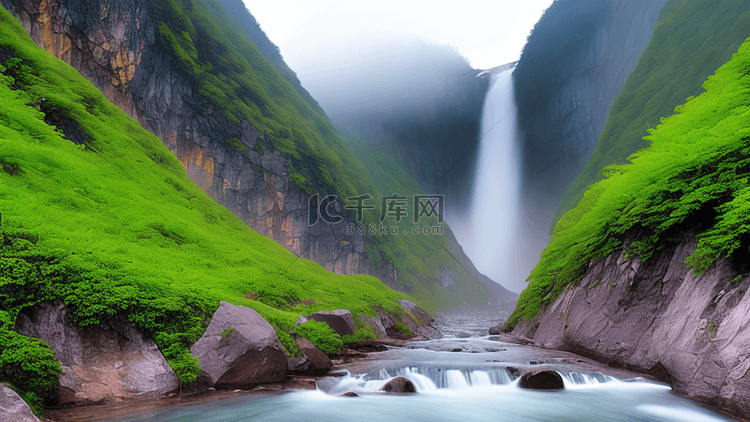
[{"x": 660, "y": 318}]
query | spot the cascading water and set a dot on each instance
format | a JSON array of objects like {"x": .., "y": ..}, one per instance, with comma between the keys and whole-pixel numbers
[{"x": 488, "y": 229}]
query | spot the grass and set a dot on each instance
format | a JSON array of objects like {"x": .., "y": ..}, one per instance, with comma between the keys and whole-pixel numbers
[{"x": 695, "y": 174}]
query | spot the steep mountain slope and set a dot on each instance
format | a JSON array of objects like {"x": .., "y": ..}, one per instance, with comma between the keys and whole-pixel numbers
[
  {"x": 650, "y": 269},
  {"x": 574, "y": 65},
  {"x": 691, "y": 40},
  {"x": 252, "y": 140},
  {"x": 99, "y": 215}
]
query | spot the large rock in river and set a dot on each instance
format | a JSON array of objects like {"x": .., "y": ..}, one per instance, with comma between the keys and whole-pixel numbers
[
  {"x": 542, "y": 380},
  {"x": 240, "y": 349},
  {"x": 13, "y": 408},
  {"x": 399, "y": 385},
  {"x": 340, "y": 320},
  {"x": 100, "y": 363}
]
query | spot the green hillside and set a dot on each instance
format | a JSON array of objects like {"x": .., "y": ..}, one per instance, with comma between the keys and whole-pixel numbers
[
  {"x": 97, "y": 213},
  {"x": 690, "y": 41},
  {"x": 693, "y": 177},
  {"x": 236, "y": 81}
]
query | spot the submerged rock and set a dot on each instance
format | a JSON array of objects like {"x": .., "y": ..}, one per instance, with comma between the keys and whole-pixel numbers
[
  {"x": 542, "y": 380},
  {"x": 101, "y": 363},
  {"x": 240, "y": 349},
  {"x": 399, "y": 385},
  {"x": 350, "y": 394},
  {"x": 340, "y": 320},
  {"x": 13, "y": 408}
]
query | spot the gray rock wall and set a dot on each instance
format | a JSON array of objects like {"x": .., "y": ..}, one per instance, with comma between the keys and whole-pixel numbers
[
  {"x": 658, "y": 317},
  {"x": 101, "y": 363}
]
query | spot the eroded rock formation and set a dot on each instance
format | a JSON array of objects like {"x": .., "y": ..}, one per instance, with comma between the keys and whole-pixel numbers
[{"x": 660, "y": 318}]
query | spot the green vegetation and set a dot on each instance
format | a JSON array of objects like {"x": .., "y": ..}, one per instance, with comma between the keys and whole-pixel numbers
[
  {"x": 321, "y": 335},
  {"x": 690, "y": 41},
  {"x": 115, "y": 226},
  {"x": 694, "y": 176},
  {"x": 403, "y": 329},
  {"x": 227, "y": 332}
]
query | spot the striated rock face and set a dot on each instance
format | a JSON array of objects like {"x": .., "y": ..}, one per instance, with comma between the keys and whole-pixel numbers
[
  {"x": 102, "y": 363},
  {"x": 13, "y": 408},
  {"x": 658, "y": 317},
  {"x": 240, "y": 349},
  {"x": 116, "y": 46}
]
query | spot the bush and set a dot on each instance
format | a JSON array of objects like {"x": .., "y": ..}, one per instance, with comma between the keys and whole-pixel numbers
[{"x": 321, "y": 335}]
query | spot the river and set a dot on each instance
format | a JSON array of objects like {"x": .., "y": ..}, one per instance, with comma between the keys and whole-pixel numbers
[{"x": 465, "y": 376}]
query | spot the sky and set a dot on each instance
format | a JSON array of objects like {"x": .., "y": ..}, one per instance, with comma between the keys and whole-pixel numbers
[{"x": 488, "y": 33}]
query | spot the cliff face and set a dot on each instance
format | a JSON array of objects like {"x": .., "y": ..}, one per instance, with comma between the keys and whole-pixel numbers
[
  {"x": 658, "y": 317},
  {"x": 116, "y": 46},
  {"x": 574, "y": 65}
]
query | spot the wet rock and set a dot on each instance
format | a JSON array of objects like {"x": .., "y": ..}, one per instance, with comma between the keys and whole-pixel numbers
[
  {"x": 542, "y": 380},
  {"x": 399, "y": 385},
  {"x": 350, "y": 394},
  {"x": 457, "y": 349},
  {"x": 340, "y": 320},
  {"x": 513, "y": 372},
  {"x": 315, "y": 361},
  {"x": 240, "y": 349},
  {"x": 496, "y": 331},
  {"x": 102, "y": 363},
  {"x": 13, "y": 408}
]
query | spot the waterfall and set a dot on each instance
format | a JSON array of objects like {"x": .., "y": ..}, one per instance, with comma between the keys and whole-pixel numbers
[
  {"x": 488, "y": 231},
  {"x": 429, "y": 378}
]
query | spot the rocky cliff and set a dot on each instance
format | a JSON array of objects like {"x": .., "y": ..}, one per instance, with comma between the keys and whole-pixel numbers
[
  {"x": 576, "y": 61},
  {"x": 660, "y": 318}
]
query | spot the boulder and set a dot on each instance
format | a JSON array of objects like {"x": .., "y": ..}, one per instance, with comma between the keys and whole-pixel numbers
[
  {"x": 102, "y": 363},
  {"x": 240, "y": 349},
  {"x": 542, "y": 380},
  {"x": 399, "y": 385},
  {"x": 419, "y": 314},
  {"x": 314, "y": 362},
  {"x": 13, "y": 408},
  {"x": 340, "y": 320},
  {"x": 375, "y": 324},
  {"x": 350, "y": 394},
  {"x": 496, "y": 331}
]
